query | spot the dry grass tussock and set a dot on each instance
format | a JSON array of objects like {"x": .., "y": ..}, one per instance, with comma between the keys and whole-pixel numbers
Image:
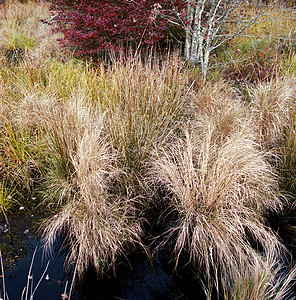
[
  {"x": 217, "y": 102},
  {"x": 272, "y": 104},
  {"x": 220, "y": 189},
  {"x": 99, "y": 225}
]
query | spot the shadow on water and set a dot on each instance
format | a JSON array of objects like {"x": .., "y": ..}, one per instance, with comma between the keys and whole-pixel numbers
[
  {"x": 136, "y": 279},
  {"x": 140, "y": 280}
]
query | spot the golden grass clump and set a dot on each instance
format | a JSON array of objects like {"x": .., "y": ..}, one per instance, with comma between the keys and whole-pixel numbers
[{"x": 220, "y": 191}]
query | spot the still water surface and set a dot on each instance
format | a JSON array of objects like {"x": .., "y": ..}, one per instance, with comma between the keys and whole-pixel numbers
[{"x": 136, "y": 280}]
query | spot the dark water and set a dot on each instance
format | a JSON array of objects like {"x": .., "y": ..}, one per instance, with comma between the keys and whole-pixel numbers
[
  {"x": 53, "y": 281},
  {"x": 137, "y": 279},
  {"x": 140, "y": 279}
]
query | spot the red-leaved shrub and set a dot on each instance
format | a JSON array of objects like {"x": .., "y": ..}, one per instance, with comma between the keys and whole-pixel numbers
[{"x": 89, "y": 26}]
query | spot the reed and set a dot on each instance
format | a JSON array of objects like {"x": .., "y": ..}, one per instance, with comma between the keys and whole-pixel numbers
[
  {"x": 143, "y": 102},
  {"x": 29, "y": 290}
]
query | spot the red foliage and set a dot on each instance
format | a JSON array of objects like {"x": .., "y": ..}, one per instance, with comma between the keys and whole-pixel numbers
[{"x": 89, "y": 26}]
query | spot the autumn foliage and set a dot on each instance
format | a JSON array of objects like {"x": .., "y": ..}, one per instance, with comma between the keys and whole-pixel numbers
[{"x": 89, "y": 26}]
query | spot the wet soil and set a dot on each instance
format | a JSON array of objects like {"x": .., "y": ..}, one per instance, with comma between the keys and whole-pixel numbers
[{"x": 14, "y": 238}]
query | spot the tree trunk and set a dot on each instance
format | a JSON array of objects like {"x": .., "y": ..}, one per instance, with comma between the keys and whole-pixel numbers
[{"x": 205, "y": 64}]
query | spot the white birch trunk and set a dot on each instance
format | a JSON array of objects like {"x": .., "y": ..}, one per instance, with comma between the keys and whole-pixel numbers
[
  {"x": 189, "y": 29},
  {"x": 205, "y": 64}
]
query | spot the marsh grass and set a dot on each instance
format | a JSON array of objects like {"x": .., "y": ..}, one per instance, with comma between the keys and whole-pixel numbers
[
  {"x": 287, "y": 163},
  {"x": 272, "y": 105},
  {"x": 7, "y": 199},
  {"x": 98, "y": 224},
  {"x": 278, "y": 21},
  {"x": 221, "y": 103},
  {"x": 51, "y": 77},
  {"x": 21, "y": 154},
  {"x": 21, "y": 29},
  {"x": 258, "y": 53},
  {"x": 289, "y": 64},
  {"x": 98, "y": 159},
  {"x": 92, "y": 132}
]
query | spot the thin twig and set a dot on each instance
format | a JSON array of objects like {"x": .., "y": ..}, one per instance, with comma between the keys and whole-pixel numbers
[
  {"x": 31, "y": 297},
  {"x": 64, "y": 294},
  {"x": 72, "y": 283}
]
